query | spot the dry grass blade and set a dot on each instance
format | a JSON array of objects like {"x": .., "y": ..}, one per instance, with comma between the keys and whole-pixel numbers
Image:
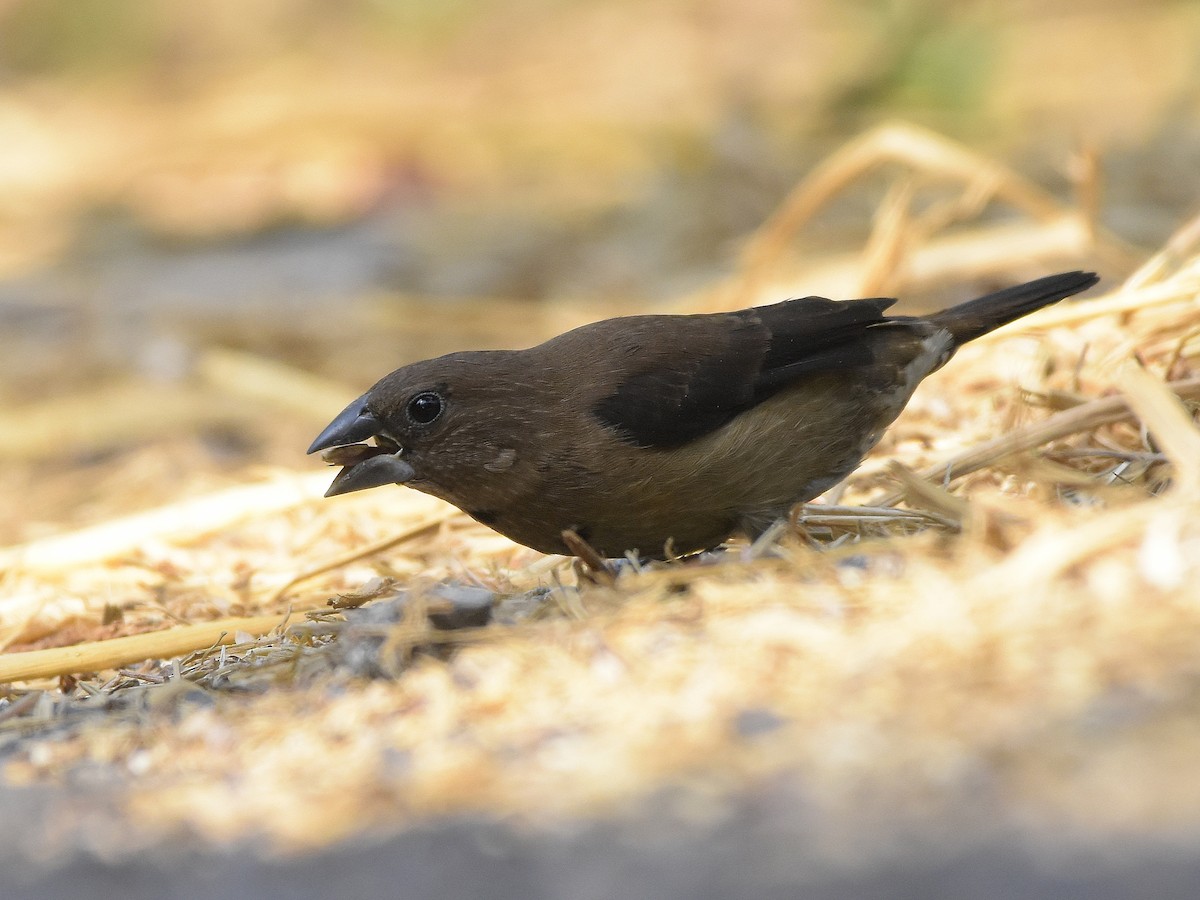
[
  {"x": 817, "y": 514},
  {"x": 411, "y": 531},
  {"x": 926, "y": 496},
  {"x": 821, "y": 523},
  {"x": 1054, "y": 550},
  {"x": 1084, "y": 417},
  {"x": 1053, "y": 227},
  {"x": 111, "y": 416},
  {"x": 813, "y": 512},
  {"x": 960, "y": 256},
  {"x": 1179, "y": 251},
  {"x": 889, "y": 241},
  {"x": 94, "y": 656},
  {"x": 966, "y": 256},
  {"x": 1169, "y": 422},
  {"x": 273, "y": 383},
  {"x": 20, "y": 707},
  {"x": 187, "y": 519},
  {"x": 893, "y": 142}
]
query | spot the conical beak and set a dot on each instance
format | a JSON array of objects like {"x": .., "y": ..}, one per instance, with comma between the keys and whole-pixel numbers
[
  {"x": 364, "y": 466},
  {"x": 353, "y": 424},
  {"x": 375, "y": 471}
]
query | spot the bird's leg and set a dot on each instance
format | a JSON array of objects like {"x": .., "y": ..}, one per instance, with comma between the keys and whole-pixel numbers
[{"x": 589, "y": 564}]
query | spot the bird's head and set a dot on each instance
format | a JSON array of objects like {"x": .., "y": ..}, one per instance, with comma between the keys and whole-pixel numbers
[{"x": 442, "y": 426}]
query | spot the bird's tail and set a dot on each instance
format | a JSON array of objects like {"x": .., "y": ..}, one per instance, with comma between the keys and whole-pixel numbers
[{"x": 969, "y": 320}]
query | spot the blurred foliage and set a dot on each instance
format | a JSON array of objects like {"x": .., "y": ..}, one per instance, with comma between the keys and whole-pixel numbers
[
  {"x": 932, "y": 56},
  {"x": 926, "y": 52},
  {"x": 44, "y": 36},
  {"x": 89, "y": 36}
]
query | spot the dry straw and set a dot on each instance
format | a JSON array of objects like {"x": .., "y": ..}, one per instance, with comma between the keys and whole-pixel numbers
[
  {"x": 1160, "y": 295},
  {"x": 1024, "y": 540}
]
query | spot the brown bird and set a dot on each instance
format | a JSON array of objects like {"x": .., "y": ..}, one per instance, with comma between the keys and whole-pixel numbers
[{"x": 659, "y": 434}]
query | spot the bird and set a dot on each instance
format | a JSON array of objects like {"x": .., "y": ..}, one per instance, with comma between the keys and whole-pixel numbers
[{"x": 659, "y": 435}]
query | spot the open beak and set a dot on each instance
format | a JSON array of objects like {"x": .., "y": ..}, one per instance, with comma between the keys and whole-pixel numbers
[{"x": 364, "y": 465}]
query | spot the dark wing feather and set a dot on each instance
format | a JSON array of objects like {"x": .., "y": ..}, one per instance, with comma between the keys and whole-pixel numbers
[
  {"x": 688, "y": 386},
  {"x": 717, "y": 366},
  {"x": 812, "y": 335}
]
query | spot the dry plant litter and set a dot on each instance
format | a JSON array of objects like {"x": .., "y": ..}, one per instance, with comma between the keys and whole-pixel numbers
[{"x": 1003, "y": 599}]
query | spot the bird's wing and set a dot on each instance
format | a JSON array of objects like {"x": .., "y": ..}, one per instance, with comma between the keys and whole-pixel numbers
[
  {"x": 814, "y": 334},
  {"x": 717, "y": 366}
]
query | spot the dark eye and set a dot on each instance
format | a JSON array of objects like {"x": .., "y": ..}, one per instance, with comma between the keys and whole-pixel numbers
[{"x": 424, "y": 408}]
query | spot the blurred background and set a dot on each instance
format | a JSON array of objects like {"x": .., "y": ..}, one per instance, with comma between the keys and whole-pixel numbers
[{"x": 345, "y": 186}]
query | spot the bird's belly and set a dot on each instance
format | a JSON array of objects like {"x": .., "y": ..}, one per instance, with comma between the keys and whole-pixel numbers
[
  {"x": 786, "y": 450},
  {"x": 792, "y": 446}
]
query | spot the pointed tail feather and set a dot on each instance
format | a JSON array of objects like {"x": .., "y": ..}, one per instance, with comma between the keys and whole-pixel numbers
[{"x": 977, "y": 317}]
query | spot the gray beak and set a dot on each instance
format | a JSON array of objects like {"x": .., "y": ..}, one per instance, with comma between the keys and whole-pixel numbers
[
  {"x": 364, "y": 466},
  {"x": 375, "y": 471},
  {"x": 352, "y": 425}
]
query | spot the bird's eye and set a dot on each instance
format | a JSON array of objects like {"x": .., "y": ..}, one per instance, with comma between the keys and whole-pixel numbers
[{"x": 424, "y": 408}]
